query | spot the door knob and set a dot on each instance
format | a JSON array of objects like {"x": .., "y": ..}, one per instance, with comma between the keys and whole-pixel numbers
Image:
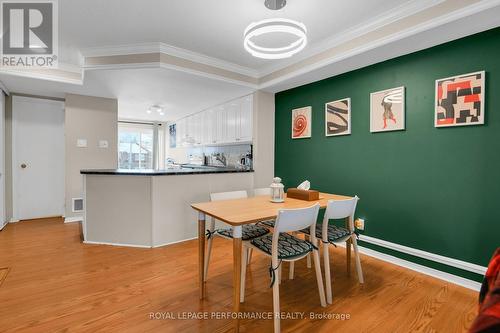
[{"x": 23, "y": 166}]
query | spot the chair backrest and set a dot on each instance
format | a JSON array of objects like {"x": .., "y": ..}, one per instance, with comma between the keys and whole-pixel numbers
[
  {"x": 296, "y": 219},
  {"x": 262, "y": 191},
  {"x": 339, "y": 209},
  {"x": 228, "y": 195}
]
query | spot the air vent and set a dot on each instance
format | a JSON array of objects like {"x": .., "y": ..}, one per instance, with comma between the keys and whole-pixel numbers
[{"x": 77, "y": 205}]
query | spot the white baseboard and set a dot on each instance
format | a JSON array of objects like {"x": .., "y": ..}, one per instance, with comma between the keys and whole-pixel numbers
[
  {"x": 470, "y": 284},
  {"x": 14, "y": 220},
  {"x": 117, "y": 244},
  {"x": 463, "y": 265},
  {"x": 139, "y": 246},
  {"x": 72, "y": 219},
  {"x": 176, "y": 242}
]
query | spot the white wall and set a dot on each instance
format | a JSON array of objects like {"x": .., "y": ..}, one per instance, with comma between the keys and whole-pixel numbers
[
  {"x": 263, "y": 142},
  {"x": 93, "y": 119}
]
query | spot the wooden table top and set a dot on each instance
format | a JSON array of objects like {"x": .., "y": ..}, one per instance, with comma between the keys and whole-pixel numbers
[{"x": 250, "y": 210}]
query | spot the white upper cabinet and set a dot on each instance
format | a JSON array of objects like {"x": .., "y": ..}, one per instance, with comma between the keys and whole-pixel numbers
[
  {"x": 220, "y": 124},
  {"x": 232, "y": 121},
  {"x": 198, "y": 129},
  {"x": 246, "y": 119},
  {"x": 209, "y": 127},
  {"x": 225, "y": 124}
]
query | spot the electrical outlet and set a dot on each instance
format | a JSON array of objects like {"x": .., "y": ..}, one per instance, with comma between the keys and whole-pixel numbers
[{"x": 359, "y": 224}]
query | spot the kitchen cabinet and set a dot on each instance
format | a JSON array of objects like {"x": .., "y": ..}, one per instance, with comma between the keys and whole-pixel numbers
[
  {"x": 220, "y": 124},
  {"x": 181, "y": 131},
  {"x": 229, "y": 123},
  {"x": 245, "y": 129},
  {"x": 232, "y": 121},
  {"x": 198, "y": 129},
  {"x": 209, "y": 127}
]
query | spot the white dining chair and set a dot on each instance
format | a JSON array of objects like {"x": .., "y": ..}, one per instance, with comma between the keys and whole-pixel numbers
[
  {"x": 332, "y": 234},
  {"x": 249, "y": 232},
  {"x": 264, "y": 191},
  {"x": 282, "y": 246}
]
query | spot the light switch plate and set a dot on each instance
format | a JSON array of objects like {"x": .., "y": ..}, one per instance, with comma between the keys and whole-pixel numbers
[
  {"x": 81, "y": 143},
  {"x": 103, "y": 144}
]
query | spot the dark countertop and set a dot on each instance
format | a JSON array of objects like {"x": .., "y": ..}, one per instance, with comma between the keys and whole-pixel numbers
[{"x": 166, "y": 172}]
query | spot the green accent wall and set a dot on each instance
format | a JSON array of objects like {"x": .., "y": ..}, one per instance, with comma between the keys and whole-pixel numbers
[{"x": 433, "y": 189}]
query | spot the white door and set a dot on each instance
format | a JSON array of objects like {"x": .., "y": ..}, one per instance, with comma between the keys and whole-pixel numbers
[
  {"x": 2, "y": 160},
  {"x": 37, "y": 157}
]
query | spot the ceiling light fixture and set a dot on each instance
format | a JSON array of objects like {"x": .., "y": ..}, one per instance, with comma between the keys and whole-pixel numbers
[
  {"x": 273, "y": 26},
  {"x": 155, "y": 108}
]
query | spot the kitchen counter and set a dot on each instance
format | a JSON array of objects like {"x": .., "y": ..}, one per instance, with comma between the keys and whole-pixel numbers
[
  {"x": 145, "y": 209},
  {"x": 166, "y": 172}
]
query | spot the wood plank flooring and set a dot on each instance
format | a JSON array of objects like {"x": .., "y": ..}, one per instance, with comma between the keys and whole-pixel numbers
[
  {"x": 58, "y": 284},
  {"x": 3, "y": 274}
]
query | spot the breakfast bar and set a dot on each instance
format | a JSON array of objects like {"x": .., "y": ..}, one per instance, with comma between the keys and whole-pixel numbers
[{"x": 150, "y": 208}]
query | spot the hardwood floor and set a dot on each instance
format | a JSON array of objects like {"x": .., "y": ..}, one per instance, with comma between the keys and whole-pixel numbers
[
  {"x": 3, "y": 274},
  {"x": 58, "y": 284}
]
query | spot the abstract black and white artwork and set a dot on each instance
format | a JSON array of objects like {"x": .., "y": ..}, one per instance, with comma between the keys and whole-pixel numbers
[
  {"x": 460, "y": 100},
  {"x": 338, "y": 117}
]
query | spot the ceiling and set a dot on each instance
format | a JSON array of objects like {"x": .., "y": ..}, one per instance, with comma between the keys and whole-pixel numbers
[
  {"x": 177, "y": 92},
  {"x": 96, "y": 37},
  {"x": 210, "y": 27}
]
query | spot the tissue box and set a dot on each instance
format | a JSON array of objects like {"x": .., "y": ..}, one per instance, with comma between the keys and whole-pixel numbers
[{"x": 307, "y": 195}]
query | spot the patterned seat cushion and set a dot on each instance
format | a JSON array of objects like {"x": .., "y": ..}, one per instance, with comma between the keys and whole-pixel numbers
[
  {"x": 288, "y": 245},
  {"x": 334, "y": 233},
  {"x": 250, "y": 231},
  {"x": 268, "y": 223}
]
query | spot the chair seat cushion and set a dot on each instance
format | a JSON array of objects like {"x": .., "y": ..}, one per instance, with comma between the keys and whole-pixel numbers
[
  {"x": 335, "y": 233},
  {"x": 250, "y": 231},
  {"x": 268, "y": 223},
  {"x": 288, "y": 245}
]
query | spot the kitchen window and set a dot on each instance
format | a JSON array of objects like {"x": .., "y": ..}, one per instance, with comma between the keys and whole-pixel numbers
[{"x": 135, "y": 145}]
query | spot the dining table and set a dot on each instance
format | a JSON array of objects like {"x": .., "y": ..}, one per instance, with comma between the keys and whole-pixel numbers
[{"x": 239, "y": 212}]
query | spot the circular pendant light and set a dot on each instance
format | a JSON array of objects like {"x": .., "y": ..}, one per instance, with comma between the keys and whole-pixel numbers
[{"x": 276, "y": 25}]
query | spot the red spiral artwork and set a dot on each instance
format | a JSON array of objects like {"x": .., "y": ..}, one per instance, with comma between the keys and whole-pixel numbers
[{"x": 299, "y": 125}]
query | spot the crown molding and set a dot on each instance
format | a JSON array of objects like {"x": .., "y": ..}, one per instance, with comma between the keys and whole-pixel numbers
[
  {"x": 396, "y": 14},
  {"x": 428, "y": 25},
  {"x": 47, "y": 76},
  {"x": 170, "y": 66},
  {"x": 391, "y": 17},
  {"x": 159, "y": 47}
]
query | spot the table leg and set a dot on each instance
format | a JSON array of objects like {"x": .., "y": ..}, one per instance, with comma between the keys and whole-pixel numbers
[
  {"x": 348, "y": 248},
  {"x": 201, "y": 253},
  {"x": 237, "y": 231}
]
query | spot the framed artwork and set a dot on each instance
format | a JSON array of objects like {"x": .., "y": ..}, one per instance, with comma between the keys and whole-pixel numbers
[
  {"x": 460, "y": 100},
  {"x": 172, "y": 131},
  {"x": 338, "y": 117},
  {"x": 387, "y": 110},
  {"x": 301, "y": 123}
]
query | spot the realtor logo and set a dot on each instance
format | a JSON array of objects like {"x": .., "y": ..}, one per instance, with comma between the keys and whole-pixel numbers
[{"x": 29, "y": 33}]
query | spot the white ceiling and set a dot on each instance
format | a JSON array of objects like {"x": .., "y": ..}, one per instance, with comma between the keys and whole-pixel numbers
[
  {"x": 214, "y": 28},
  {"x": 178, "y": 92},
  {"x": 210, "y": 27}
]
